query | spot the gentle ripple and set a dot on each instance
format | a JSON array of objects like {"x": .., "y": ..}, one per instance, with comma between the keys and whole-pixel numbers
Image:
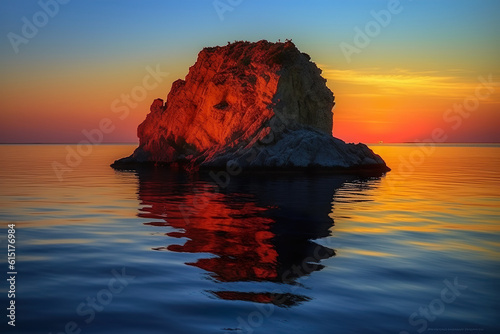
[{"x": 266, "y": 254}]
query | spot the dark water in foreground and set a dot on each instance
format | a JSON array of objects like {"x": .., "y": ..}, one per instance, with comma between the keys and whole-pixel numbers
[{"x": 102, "y": 251}]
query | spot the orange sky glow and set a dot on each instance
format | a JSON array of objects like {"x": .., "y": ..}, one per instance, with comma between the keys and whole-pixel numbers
[{"x": 91, "y": 63}]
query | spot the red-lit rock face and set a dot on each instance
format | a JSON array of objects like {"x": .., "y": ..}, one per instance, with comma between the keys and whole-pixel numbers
[
  {"x": 259, "y": 104},
  {"x": 230, "y": 94}
]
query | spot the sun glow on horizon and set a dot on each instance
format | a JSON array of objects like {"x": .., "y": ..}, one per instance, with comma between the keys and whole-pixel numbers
[
  {"x": 402, "y": 105},
  {"x": 396, "y": 89}
]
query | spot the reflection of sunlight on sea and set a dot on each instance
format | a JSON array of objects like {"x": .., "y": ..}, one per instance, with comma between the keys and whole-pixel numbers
[
  {"x": 387, "y": 244},
  {"x": 434, "y": 209}
]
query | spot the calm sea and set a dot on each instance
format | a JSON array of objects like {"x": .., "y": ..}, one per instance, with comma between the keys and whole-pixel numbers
[{"x": 103, "y": 251}]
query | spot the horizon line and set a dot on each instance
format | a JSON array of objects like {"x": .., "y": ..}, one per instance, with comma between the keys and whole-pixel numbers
[{"x": 136, "y": 143}]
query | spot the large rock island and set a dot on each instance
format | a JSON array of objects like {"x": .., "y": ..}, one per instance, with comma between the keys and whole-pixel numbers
[{"x": 252, "y": 105}]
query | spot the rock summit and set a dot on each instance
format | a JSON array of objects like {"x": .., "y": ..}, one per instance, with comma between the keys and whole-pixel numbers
[{"x": 248, "y": 105}]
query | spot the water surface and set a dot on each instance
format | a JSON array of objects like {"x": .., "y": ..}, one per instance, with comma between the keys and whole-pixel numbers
[{"x": 264, "y": 254}]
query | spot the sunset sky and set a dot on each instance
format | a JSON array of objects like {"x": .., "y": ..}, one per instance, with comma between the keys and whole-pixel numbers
[{"x": 425, "y": 64}]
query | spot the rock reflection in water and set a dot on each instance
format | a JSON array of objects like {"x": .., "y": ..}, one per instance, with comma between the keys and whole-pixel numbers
[{"x": 259, "y": 228}]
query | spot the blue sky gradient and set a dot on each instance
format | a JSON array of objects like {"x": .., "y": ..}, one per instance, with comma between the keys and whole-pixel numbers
[{"x": 97, "y": 49}]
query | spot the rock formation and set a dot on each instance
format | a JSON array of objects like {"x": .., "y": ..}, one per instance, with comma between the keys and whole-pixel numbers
[{"x": 249, "y": 105}]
